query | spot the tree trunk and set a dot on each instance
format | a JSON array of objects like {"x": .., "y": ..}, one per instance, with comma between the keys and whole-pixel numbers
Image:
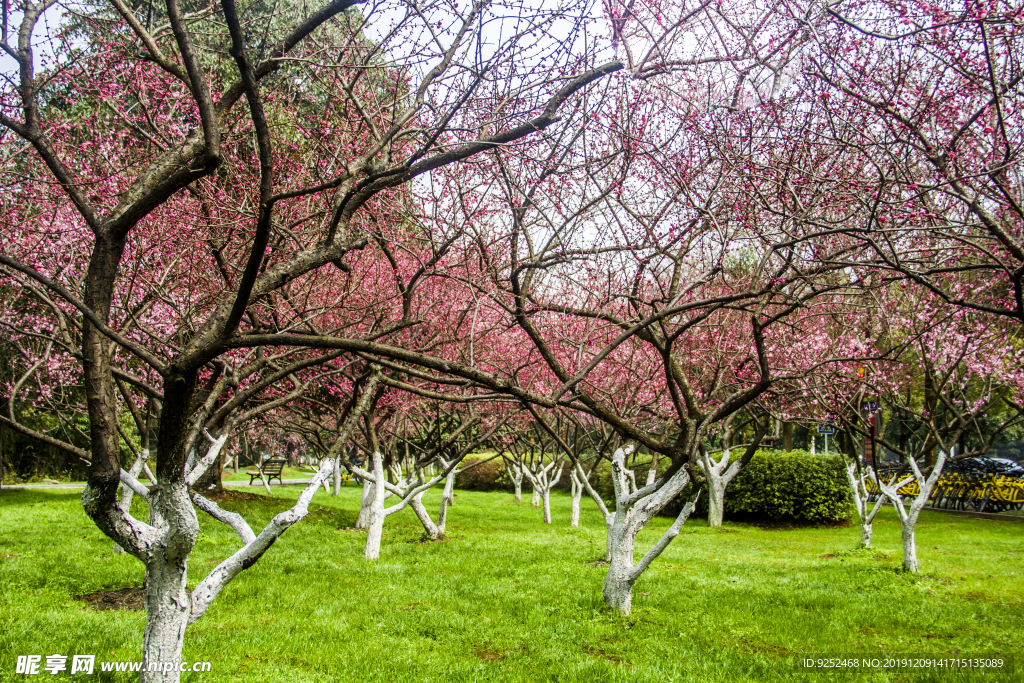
[
  {"x": 167, "y": 604},
  {"x": 442, "y": 516},
  {"x": 718, "y": 475},
  {"x": 577, "y": 493},
  {"x": 860, "y": 501},
  {"x": 631, "y": 515},
  {"x": 547, "y": 505},
  {"x": 136, "y": 470},
  {"x": 337, "y": 475},
  {"x": 377, "y": 513},
  {"x": 866, "y": 531},
  {"x": 167, "y": 613},
  {"x": 908, "y": 519},
  {"x": 519, "y": 490},
  {"x": 363, "y": 520},
  {"x": 910, "y": 544},
  {"x": 447, "y": 499},
  {"x": 716, "y": 499},
  {"x": 432, "y": 530},
  {"x": 212, "y": 481},
  {"x": 618, "y": 584},
  {"x": 449, "y": 491},
  {"x": 535, "y": 501}
]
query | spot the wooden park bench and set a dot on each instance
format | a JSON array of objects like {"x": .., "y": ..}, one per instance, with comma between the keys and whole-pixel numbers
[{"x": 269, "y": 470}]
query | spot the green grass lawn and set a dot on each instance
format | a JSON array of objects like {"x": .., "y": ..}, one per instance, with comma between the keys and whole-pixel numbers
[{"x": 510, "y": 599}]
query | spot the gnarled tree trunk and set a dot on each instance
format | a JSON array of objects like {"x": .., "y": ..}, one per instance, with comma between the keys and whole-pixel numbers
[{"x": 634, "y": 509}]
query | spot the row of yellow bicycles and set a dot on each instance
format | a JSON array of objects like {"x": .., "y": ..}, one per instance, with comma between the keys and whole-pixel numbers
[{"x": 980, "y": 491}]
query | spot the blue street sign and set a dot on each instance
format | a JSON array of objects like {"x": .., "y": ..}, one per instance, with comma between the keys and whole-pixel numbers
[
  {"x": 826, "y": 429},
  {"x": 870, "y": 406}
]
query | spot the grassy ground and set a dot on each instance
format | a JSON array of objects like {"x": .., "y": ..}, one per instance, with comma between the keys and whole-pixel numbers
[{"x": 510, "y": 599}]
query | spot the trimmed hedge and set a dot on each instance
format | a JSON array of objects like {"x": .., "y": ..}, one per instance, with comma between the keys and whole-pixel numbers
[
  {"x": 489, "y": 476},
  {"x": 792, "y": 486}
]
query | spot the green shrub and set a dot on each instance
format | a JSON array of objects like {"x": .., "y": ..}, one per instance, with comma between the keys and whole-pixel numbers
[
  {"x": 489, "y": 476},
  {"x": 794, "y": 487}
]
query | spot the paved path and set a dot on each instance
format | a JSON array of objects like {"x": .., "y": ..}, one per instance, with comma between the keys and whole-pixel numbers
[{"x": 980, "y": 515}]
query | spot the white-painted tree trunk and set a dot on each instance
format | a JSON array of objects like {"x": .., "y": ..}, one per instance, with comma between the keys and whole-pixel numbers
[
  {"x": 410, "y": 490},
  {"x": 263, "y": 478},
  {"x": 127, "y": 493},
  {"x": 618, "y": 582},
  {"x": 910, "y": 546},
  {"x": 719, "y": 474},
  {"x": 167, "y": 605},
  {"x": 716, "y": 501},
  {"x": 859, "y": 491},
  {"x": 542, "y": 482},
  {"x": 634, "y": 509},
  {"x": 515, "y": 473},
  {"x": 253, "y": 545},
  {"x": 448, "y": 497},
  {"x": 164, "y": 545},
  {"x": 577, "y": 493},
  {"x": 535, "y": 500},
  {"x": 167, "y": 613},
  {"x": 363, "y": 520},
  {"x": 136, "y": 470},
  {"x": 434, "y": 531},
  {"x": 908, "y": 518},
  {"x": 375, "y": 529},
  {"x": 442, "y": 517},
  {"x": 337, "y": 475}
]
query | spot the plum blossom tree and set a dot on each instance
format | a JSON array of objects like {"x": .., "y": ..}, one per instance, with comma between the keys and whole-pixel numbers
[
  {"x": 166, "y": 158},
  {"x": 543, "y": 469},
  {"x": 937, "y": 371},
  {"x": 630, "y": 272},
  {"x": 410, "y": 479},
  {"x": 922, "y": 102}
]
